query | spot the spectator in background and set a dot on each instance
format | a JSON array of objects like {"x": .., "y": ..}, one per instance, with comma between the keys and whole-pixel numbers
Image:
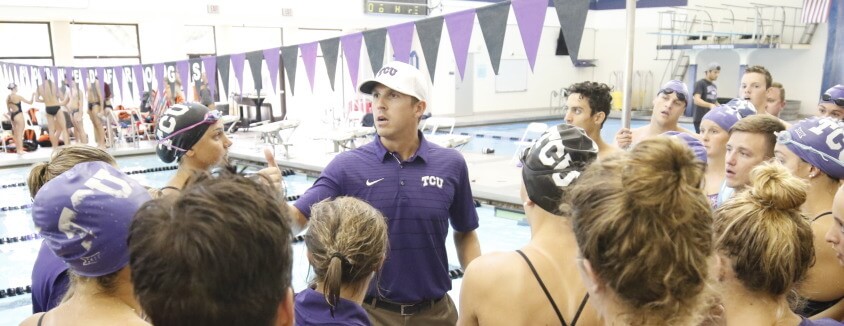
[
  {"x": 754, "y": 86},
  {"x": 775, "y": 102},
  {"x": 706, "y": 93},
  {"x": 205, "y": 94},
  {"x": 14, "y": 105}
]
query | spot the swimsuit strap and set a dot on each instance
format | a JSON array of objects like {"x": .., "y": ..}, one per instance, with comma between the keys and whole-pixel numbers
[{"x": 544, "y": 289}]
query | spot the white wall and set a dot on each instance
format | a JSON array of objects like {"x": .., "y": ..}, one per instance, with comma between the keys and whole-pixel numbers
[{"x": 160, "y": 21}]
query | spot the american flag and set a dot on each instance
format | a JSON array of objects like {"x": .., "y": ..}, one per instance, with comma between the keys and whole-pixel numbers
[{"x": 815, "y": 11}]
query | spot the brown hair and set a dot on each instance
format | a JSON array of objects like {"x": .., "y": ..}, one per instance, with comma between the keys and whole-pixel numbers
[
  {"x": 761, "y": 124},
  {"x": 644, "y": 224},
  {"x": 761, "y": 70},
  {"x": 201, "y": 258},
  {"x": 347, "y": 241},
  {"x": 782, "y": 90},
  {"x": 63, "y": 160},
  {"x": 764, "y": 234}
]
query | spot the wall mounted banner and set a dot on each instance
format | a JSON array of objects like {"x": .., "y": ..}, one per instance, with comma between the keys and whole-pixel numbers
[
  {"x": 493, "y": 21},
  {"x": 101, "y": 79},
  {"x": 182, "y": 69},
  {"x": 195, "y": 69},
  {"x": 330, "y": 48},
  {"x": 138, "y": 72},
  {"x": 375, "y": 40},
  {"x": 572, "y": 15},
  {"x": 118, "y": 74},
  {"x": 159, "y": 76},
  {"x": 351, "y": 50}
]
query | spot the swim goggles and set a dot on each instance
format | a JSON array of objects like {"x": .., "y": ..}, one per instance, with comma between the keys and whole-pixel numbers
[
  {"x": 210, "y": 118},
  {"x": 828, "y": 98},
  {"x": 784, "y": 138}
]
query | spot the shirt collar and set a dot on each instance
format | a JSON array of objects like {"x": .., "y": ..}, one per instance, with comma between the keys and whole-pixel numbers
[{"x": 421, "y": 152}]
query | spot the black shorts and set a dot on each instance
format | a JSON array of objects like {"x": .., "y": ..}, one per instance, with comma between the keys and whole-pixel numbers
[{"x": 53, "y": 110}]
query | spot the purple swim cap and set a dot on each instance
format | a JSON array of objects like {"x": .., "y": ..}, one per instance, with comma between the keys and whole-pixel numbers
[
  {"x": 676, "y": 86},
  {"x": 693, "y": 143},
  {"x": 819, "y": 142},
  {"x": 726, "y": 115},
  {"x": 84, "y": 216}
]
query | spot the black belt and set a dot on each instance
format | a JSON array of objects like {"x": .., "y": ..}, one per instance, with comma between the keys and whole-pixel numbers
[{"x": 403, "y": 309}]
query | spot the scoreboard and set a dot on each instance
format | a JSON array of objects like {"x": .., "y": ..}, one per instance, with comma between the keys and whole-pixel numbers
[{"x": 396, "y": 7}]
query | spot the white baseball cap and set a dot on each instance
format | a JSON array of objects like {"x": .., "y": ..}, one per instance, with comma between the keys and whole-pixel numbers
[{"x": 401, "y": 77}]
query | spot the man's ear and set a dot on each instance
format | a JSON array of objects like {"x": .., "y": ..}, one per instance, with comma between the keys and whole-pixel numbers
[
  {"x": 285, "y": 314},
  {"x": 598, "y": 118},
  {"x": 420, "y": 108}
]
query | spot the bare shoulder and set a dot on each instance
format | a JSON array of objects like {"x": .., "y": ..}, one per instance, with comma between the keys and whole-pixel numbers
[
  {"x": 31, "y": 320},
  {"x": 490, "y": 268}
]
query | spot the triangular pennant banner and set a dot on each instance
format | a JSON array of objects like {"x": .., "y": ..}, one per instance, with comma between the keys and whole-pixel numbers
[
  {"x": 138, "y": 72},
  {"x": 289, "y": 56},
  {"x": 459, "y": 27},
  {"x": 329, "y": 55},
  {"x": 101, "y": 81},
  {"x": 530, "y": 15},
  {"x": 271, "y": 57},
  {"x": 55, "y": 73},
  {"x": 159, "y": 76},
  {"x": 210, "y": 63},
  {"x": 118, "y": 74},
  {"x": 195, "y": 74},
  {"x": 182, "y": 68},
  {"x": 309, "y": 52},
  {"x": 223, "y": 64},
  {"x": 351, "y": 50},
  {"x": 237, "y": 66},
  {"x": 375, "y": 40},
  {"x": 401, "y": 37},
  {"x": 493, "y": 21},
  {"x": 572, "y": 15},
  {"x": 83, "y": 77},
  {"x": 256, "y": 58},
  {"x": 430, "y": 32}
]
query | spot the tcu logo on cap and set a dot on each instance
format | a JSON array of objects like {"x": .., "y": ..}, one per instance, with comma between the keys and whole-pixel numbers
[{"x": 387, "y": 70}]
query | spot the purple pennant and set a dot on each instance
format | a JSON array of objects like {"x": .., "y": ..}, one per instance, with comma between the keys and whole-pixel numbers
[
  {"x": 351, "y": 49},
  {"x": 83, "y": 73},
  {"x": 159, "y": 75},
  {"x": 309, "y": 52},
  {"x": 459, "y": 27},
  {"x": 182, "y": 68},
  {"x": 530, "y": 15},
  {"x": 65, "y": 73},
  {"x": 138, "y": 71},
  {"x": 210, "y": 63},
  {"x": 54, "y": 71},
  {"x": 237, "y": 65},
  {"x": 118, "y": 74},
  {"x": 401, "y": 37},
  {"x": 101, "y": 76},
  {"x": 271, "y": 57}
]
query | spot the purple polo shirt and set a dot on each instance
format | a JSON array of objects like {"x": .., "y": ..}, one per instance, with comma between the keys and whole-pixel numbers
[
  {"x": 312, "y": 309},
  {"x": 419, "y": 197},
  {"x": 49, "y": 280}
]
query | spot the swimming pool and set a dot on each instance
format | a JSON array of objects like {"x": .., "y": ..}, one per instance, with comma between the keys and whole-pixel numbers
[
  {"x": 17, "y": 258},
  {"x": 503, "y": 137}
]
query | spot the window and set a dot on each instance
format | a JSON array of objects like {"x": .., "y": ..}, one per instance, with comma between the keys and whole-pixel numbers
[
  {"x": 105, "y": 44},
  {"x": 200, "y": 41},
  {"x": 26, "y": 43}
]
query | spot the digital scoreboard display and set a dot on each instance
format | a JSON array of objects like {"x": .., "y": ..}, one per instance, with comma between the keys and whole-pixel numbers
[{"x": 396, "y": 7}]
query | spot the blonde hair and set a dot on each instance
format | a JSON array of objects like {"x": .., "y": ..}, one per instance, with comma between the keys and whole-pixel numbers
[
  {"x": 764, "y": 234},
  {"x": 63, "y": 160},
  {"x": 347, "y": 241},
  {"x": 645, "y": 226}
]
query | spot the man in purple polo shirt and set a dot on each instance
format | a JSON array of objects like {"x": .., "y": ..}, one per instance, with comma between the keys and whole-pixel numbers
[{"x": 420, "y": 188}]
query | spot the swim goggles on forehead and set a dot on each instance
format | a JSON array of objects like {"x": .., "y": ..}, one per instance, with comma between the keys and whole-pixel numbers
[
  {"x": 680, "y": 96},
  {"x": 210, "y": 117},
  {"x": 828, "y": 98},
  {"x": 784, "y": 138}
]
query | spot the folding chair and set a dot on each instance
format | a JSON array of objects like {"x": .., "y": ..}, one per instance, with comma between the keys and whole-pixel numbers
[
  {"x": 449, "y": 140},
  {"x": 533, "y": 130},
  {"x": 277, "y": 133},
  {"x": 124, "y": 129}
]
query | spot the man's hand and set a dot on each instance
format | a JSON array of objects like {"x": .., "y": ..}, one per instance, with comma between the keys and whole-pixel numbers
[{"x": 623, "y": 138}]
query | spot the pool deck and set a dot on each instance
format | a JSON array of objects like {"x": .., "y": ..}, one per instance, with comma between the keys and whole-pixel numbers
[{"x": 495, "y": 178}]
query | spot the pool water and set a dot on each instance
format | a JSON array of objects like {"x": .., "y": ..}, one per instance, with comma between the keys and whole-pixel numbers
[{"x": 17, "y": 259}]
